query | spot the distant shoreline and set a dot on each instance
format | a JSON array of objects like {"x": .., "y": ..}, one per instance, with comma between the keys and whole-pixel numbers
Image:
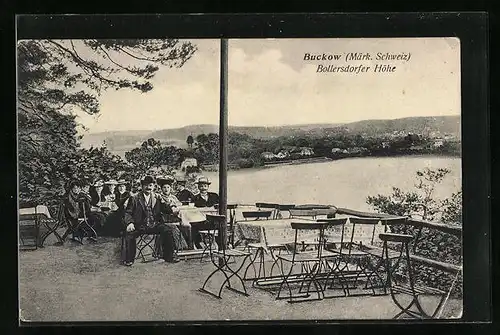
[{"x": 328, "y": 159}]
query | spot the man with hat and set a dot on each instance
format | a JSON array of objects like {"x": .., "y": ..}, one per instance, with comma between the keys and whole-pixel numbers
[
  {"x": 183, "y": 194},
  {"x": 205, "y": 198},
  {"x": 143, "y": 215}
]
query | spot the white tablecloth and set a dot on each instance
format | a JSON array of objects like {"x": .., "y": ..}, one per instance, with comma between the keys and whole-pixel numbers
[
  {"x": 195, "y": 214},
  {"x": 40, "y": 209}
]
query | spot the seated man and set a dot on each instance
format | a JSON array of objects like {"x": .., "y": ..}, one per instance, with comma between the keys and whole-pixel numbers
[
  {"x": 183, "y": 194},
  {"x": 205, "y": 198},
  {"x": 144, "y": 215}
]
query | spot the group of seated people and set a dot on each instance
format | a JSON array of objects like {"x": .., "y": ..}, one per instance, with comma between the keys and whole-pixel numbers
[{"x": 153, "y": 209}]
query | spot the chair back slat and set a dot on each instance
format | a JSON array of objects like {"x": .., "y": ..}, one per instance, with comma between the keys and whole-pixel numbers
[
  {"x": 285, "y": 207},
  {"x": 256, "y": 214},
  {"x": 303, "y": 212},
  {"x": 367, "y": 221},
  {"x": 333, "y": 222},
  {"x": 266, "y": 205},
  {"x": 312, "y": 206},
  {"x": 307, "y": 225}
]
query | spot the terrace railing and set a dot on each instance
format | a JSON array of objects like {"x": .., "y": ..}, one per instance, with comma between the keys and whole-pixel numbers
[{"x": 436, "y": 246}]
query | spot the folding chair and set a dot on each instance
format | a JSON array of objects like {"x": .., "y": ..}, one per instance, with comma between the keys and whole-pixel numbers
[
  {"x": 221, "y": 260},
  {"x": 375, "y": 250},
  {"x": 409, "y": 288},
  {"x": 262, "y": 248},
  {"x": 84, "y": 227},
  {"x": 29, "y": 228},
  {"x": 232, "y": 217},
  {"x": 353, "y": 252},
  {"x": 282, "y": 208},
  {"x": 299, "y": 213},
  {"x": 146, "y": 245},
  {"x": 265, "y": 205},
  {"x": 311, "y": 266},
  {"x": 257, "y": 215},
  {"x": 333, "y": 265}
]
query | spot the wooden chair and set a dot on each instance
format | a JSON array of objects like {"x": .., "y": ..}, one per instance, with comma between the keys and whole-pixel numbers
[{"x": 223, "y": 260}]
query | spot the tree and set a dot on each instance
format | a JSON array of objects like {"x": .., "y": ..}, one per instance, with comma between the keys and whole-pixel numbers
[
  {"x": 419, "y": 203},
  {"x": 149, "y": 155},
  {"x": 57, "y": 79},
  {"x": 190, "y": 141}
]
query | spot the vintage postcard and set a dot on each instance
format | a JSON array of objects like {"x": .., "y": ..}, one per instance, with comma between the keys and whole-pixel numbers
[{"x": 334, "y": 193}]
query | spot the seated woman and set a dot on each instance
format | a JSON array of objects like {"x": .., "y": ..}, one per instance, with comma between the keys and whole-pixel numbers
[
  {"x": 171, "y": 212},
  {"x": 109, "y": 191},
  {"x": 97, "y": 200},
  {"x": 205, "y": 198},
  {"x": 96, "y": 193},
  {"x": 75, "y": 205}
]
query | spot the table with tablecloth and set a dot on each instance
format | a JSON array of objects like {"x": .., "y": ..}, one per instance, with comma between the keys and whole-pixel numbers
[
  {"x": 39, "y": 218},
  {"x": 280, "y": 231}
]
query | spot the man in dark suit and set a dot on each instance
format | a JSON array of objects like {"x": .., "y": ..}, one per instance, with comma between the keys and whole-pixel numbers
[
  {"x": 205, "y": 198},
  {"x": 143, "y": 214},
  {"x": 183, "y": 194}
]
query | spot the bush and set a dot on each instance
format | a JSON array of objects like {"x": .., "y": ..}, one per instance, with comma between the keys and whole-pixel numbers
[{"x": 244, "y": 163}]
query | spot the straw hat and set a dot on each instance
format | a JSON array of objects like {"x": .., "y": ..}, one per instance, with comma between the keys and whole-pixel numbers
[
  {"x": 111, "y": 182},
  {"x": 203, "y": 180},
  {"x": 121, "y": 182}
]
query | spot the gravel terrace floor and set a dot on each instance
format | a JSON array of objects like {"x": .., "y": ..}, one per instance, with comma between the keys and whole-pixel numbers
[{"x": 87, "y": 283}]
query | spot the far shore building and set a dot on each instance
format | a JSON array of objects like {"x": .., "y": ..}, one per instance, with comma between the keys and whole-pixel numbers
[
  {"x": 336, "y": 150},
  {"x": 438, "y": 143},
  {"x": 306, "y": 151},
  {"x": 267, "y": 155},
  {"x": 188, "y": 162},
  {"x": 282, "y": 154}
]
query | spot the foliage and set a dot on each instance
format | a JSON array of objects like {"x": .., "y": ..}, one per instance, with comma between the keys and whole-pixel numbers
[
  {"x": 56, "y": 80},
  {"x": 419, "y": 203},
  {"x": 422, "y": 204},
  {"x": 190, "y": 141},
  {"x": 207, "y": 148}
]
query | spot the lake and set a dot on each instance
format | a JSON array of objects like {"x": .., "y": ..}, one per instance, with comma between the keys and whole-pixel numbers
[{"x": 343, "y": 183}]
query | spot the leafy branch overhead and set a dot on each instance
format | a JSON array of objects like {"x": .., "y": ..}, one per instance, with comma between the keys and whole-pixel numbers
[
  {"x": 59, "y": 78},
  {"x": 71, "y": 73}
]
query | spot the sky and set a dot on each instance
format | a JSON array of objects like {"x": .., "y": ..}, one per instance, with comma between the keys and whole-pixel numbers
[{"x": 271, "y": 84}]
